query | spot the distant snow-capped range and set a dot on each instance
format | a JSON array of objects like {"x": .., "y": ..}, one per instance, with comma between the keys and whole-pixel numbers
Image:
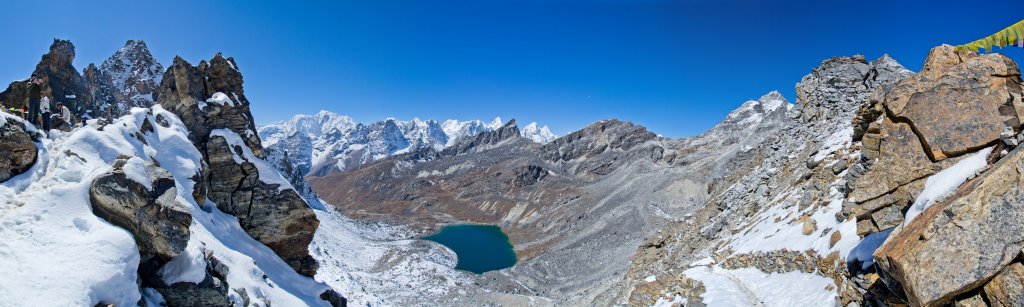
[{"x": 328, "y": 142}]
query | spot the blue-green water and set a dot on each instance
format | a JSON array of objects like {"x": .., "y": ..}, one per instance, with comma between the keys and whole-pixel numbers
[{"x": 480, "y": 248}]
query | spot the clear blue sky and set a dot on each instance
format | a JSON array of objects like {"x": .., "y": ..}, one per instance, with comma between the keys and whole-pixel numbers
[{"x": 677, "y": 67}]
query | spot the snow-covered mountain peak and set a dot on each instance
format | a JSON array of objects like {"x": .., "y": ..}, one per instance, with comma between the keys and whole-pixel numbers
[
  {"x": 496, "y": 123},
  {"x": 773, "y": 101},
  {"x": 754, "y": 111},
  {"x": 541, "y": 135},
  {"x": 134, "y": 73}
]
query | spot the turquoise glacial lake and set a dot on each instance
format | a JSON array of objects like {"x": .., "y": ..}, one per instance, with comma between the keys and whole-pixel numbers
[{"x": 480, "y": 248}]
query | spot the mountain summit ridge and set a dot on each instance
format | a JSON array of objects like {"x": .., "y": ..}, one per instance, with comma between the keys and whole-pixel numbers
[{"x": 329, "y": 142}]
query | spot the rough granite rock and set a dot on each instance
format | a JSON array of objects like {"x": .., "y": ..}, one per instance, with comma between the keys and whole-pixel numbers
[
  {"x": 17, "y": 151},
  {"x": 276, "y": 216},
  {"x": 159, "y": 223},
  {"x": 960, "y": 102},
  {"x": 1007, "y": 288}
]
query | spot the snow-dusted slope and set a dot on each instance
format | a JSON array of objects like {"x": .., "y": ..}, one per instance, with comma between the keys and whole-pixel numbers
[
  {"x": 56, "y": 252},
  {"x": 327, "y": 142}
]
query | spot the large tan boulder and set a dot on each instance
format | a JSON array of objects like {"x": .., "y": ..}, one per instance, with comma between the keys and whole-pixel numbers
[
  {"x": 960, "y": 102},
  {"x": 956, "y": 245}
]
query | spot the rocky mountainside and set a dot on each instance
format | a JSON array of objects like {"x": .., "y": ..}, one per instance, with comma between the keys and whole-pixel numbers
[
  {"x": 125, "y": 80},
  {"x": 907, "y": 199}
]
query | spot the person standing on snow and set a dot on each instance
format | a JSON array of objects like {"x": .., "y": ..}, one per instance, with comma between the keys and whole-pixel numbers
[
  {"x": 44, "y": 109},
  {"x": 34, "y": 94}
]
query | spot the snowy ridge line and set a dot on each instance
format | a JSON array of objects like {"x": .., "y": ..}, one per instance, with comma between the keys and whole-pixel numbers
[{"x": 328, "y": 142}]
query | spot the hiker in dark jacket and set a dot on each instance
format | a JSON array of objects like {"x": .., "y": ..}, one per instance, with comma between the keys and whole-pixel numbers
[{"x": 34, "y": 94}]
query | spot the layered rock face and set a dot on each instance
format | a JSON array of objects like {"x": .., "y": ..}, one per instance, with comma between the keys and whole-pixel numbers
[
  {"x": 956, "y": 109},
  {"x": 210, "y": 100},
  {"x": 17, "y": 150}
]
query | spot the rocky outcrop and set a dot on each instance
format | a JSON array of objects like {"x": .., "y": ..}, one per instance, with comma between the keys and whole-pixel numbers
[
  {"x": 97, "y": 84},
  {"x": 958, "y": 104},
  {"x": 17, "y": 150},
  {"x": 584, "y": 147},
  {"x": 507, "y": 131},
  {"x": 839, "y": 85},
  {"x": 63, "y": 82},
  {"x": 185, "y": 90},
  {"x": 149, "y": 210},
  {"x": 594, "y": 139},
  {"x": 957, "y": 245},
  {"x": 209, "y": 98},
  {"x": 527, "y": 175}
]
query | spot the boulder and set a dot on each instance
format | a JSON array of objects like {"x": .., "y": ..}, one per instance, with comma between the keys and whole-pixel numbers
[
  {"x": 334, "y": 298},
  {"x": 157, "y": 221},
  {"x": 17, "y": 150},
  {"x": 212, "y": 291},
  {"x": 956, "y": 245},
  {"x": 960, "y": 102}
]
